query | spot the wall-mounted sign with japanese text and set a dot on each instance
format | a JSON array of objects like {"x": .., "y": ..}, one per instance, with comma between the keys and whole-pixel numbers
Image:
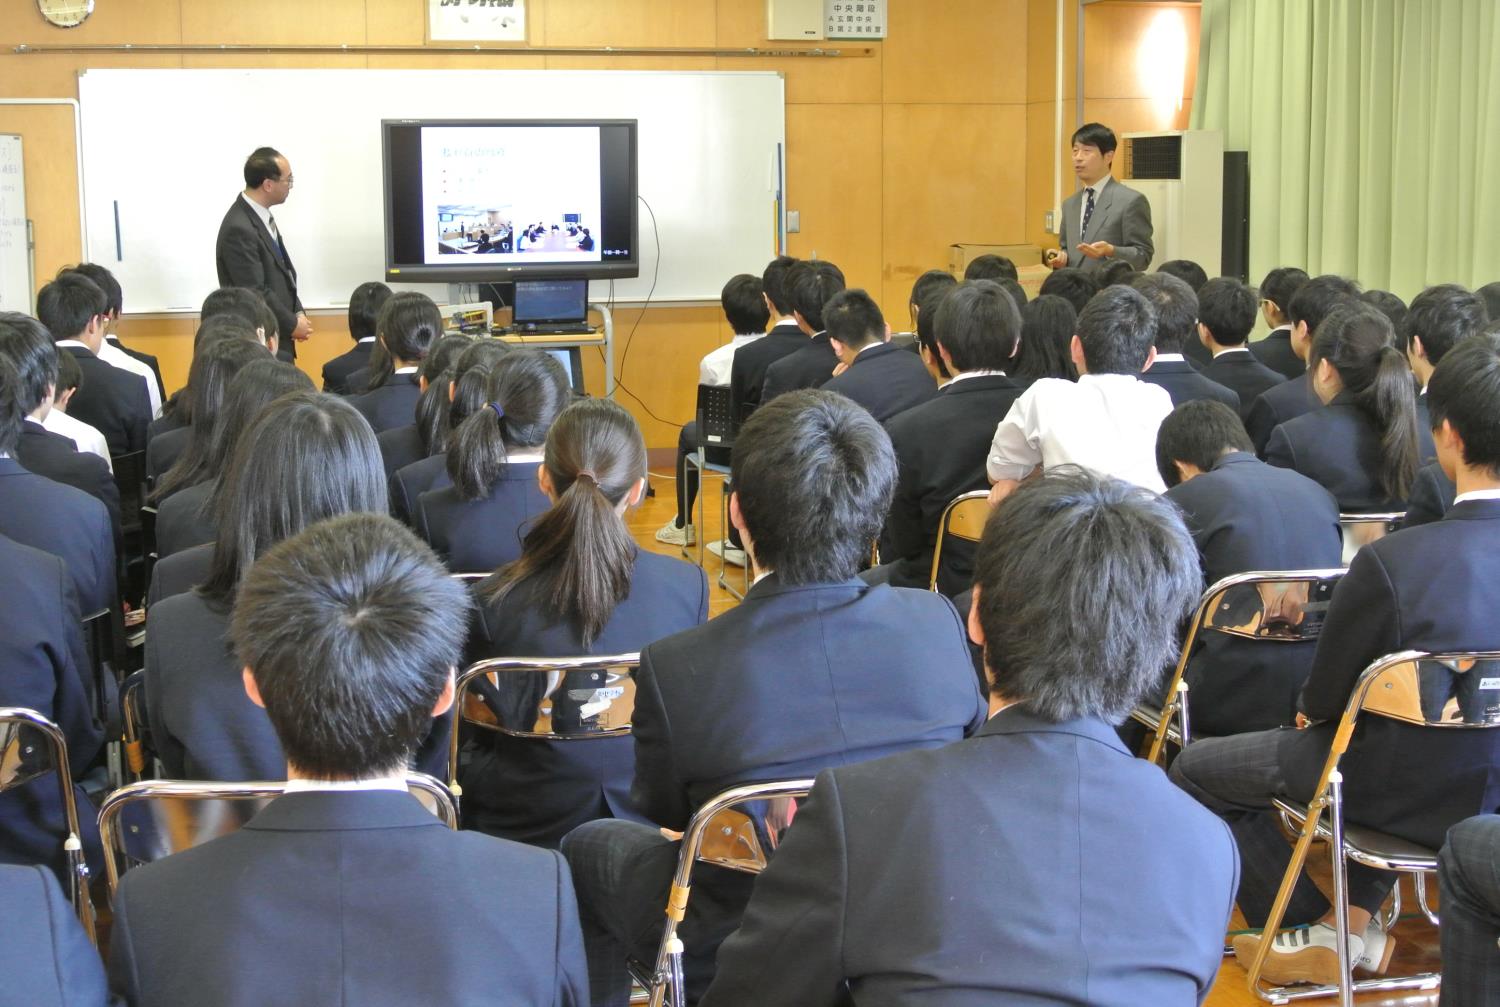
[
  {"x": 854, "y": 18},
  {"x": 476, "y": 20}
]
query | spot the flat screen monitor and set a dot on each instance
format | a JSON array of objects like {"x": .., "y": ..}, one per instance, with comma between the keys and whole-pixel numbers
[
  {"x": 544, "y": 301},
  {"x": 481, "y": 201}
]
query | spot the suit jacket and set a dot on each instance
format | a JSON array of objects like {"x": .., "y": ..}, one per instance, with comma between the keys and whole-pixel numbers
[
  {"x": 203, "y": 725},
  {"x": 52, "y": 455},
  {"x": 393, "y": 404},
  {"x": 247, "y": 256},
  {"x": 66, "y": 522},
  {"x": 337, "y": 371},
  {"x": 112, "y": 401},
  {"x": 411, "y": 481},
  {"x": 941, "y": 448},
  {"x": 809, "y": 367},
  {"x": 355, "y": 897},
  {"x": 164, "y": 450},
  {"x": 747, "y": 373},
  {"x": 476, "y": 535},
  {"x": 1431, "y": 495},
  {"x": 1241, "y": 373},
  {"x": 180, "y": 572},
  {"x": 1122, "y": 217},
  {"x": 1339, "y": 446},
  {"x": 1275, "y": 351},
  {"x": 358, "y": 381},
  {"x": 46, "y": 958},
  {"x": 536, "y": 791},
  {"x": 1050, "y": 814},
  {"x": 1275, "y": 406},
  {"x": 183, "y": 520},
  {"x": 1246, "y": 515},
  {"x": 46, "y": 669},
  {"x": 1186, "y": 385},
  {"x": 170, "y": 419},
  {"x": 145, "y": 358},
  {"x": 886, "y": 380},
  {"x": 1427, "y": 588},
  {"x": 400, "y": 447},
  {"x": 1196, "y": 354}
]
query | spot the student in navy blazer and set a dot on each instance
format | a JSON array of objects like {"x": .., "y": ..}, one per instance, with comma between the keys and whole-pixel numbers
[
  {"x": 62, "y": 520},
  {"x": 1244, "y": 515},
  {"x": 427, "y": 434},
  {"x": 580, "y": 586},
  {"x": 888, "y": 887},
  {"x": 46, "y": 958},
  {"x": 1275, "y": 348},
  {"x": 345, "y": 888},
  {"x": 814, "y": 669},
  {"x": 1306, "y": 309},
  {"x": 408, "y": 325},
  {"x": 748, "y": 371},
  {"x": 1176, "y": 322},
  {"x": 478, "y": 522},
  {"x": 364, "y": 308},
  {"x": 882, "y": 377},
  {"x": 1426, "y": 588},
  {"x": 810, "y": 286},
  {"x": 1226, "y": 314}
]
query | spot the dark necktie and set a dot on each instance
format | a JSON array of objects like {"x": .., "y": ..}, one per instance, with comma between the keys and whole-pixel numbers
[
  {"x": 280, "y": 245},
  {"x": 1088, "y": 211}
]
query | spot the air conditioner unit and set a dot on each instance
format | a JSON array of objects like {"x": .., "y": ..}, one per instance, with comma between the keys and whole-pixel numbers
[
  {"x": 1181, "y": 174},
  {"x": 794, "y": 19}
]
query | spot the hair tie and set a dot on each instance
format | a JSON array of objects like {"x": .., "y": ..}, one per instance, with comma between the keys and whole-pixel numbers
[
  {"x": 499, "y": 411},
  {"x": 587, "y": 473}
]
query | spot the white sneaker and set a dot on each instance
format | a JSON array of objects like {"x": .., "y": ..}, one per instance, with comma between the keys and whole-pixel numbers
[
  {"x": 1310, "y": 954},
  {"x": 730, "y": 555},
  {"x": 671, "y": 534}
]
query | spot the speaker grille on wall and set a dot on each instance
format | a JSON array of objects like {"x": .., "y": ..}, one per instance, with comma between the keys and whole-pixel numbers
[
  {"x": 1235, "y": 260},
  {"x": 794, "y": 19},
  {"x": 1153, "y": 157}
]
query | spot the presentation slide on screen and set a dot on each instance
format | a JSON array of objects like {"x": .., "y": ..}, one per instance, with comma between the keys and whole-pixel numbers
[{"x": 515, "y": 193}]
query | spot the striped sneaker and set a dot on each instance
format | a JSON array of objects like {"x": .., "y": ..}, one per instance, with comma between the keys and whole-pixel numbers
[{"x": 1310, "y": 954}]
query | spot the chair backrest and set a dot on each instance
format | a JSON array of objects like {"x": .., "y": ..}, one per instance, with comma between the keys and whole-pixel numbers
[
  {"x": 32, "y": 748},
  {"x": 138, "y": 754},
  {"x": 152, "y": 819},
  {"x": 130, "y": 479},
  {"x": 964, "y": 518},
  {"x": 1450, "y": 690},
  {"x": 1361, "y": 529},
  {"x": 716, "y": 420}
]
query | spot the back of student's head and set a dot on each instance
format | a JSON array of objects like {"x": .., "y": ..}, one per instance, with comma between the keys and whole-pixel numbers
[
  {"x": 1317, "y": 297},
  {"x": 309, "y": 456},
  {"x": 1176, "y": 308},
  {"x": 470, "y": 381},
  {"x": 408, "y": 324},
  {"x": 1047, "y": 327},
  {"x": 1015, "y": 290},
  {"x": 256, "y": 386},
  {"x": 1186, "y": 270},
  {"x": 68, "y": 304},
  {"x": 351, "y": 629},
  {"x": 238, "y": 302},
  {"x": 114, "y": 297},
  {"x": 813, "y": 285},
  {"x": 24, "y": 341},
  {"x": 1198, "y": 433},
  {"x": 1357, "y": 341},
  {"x": 744, "y": 302},
  {"x": 580, "y": 548},
  {"x": 1392, "y": 307},
  {"x": 1117, "y": 558},
  {"x": 773, "y": 279},
  {"x": 364, "y": 308},
  {"x": 69, "y": 374},
  {"x": 1490, "y": 295},
  {"x": 1226, "y": 307},
  {"x": 432, "y": 405},
  {"x": 853, "y": 318},
  {"x": 814, "y": 475},
  {"x": 927, "y": 325},
  {"x": 1441, "y": 317},
  {"x": 1072, "y": 285},
  {"x": 990, "y": 267},
  {"x": 12, "y": 415},
  {"x": 1116, "y": 330},
  {"x": 926, "y": 285},
  {"x": 978, "y": 325},
  {"x": 525, "y": 392},
  {"x": 1465, "y": 391},
  {"x": 212, "y": 371},
  {"x": 1116, "y": 272},
  {"x": 1280, "y": 285}
]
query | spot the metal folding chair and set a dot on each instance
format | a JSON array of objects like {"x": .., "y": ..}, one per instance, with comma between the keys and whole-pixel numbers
[
  {"x": 736, "y": 829},
  {"x": 31, "y": 747},
  {"x": 138, "y": 754},
  {"x": 152, "y": 819},
  {"x": 964, "y": 518},
  {"x": 574, "y": 699},
  {"x": 1269, "y": 606},
  {"x": 716, "y": 429},
  {"x": 1362, "y": 529},
  {"x": 1448, "y": 692}
]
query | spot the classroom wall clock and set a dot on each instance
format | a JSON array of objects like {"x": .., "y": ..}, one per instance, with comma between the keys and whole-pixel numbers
[{"x": 65, "y": 13}]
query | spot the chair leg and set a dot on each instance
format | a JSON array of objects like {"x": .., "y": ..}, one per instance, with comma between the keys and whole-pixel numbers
[
  {"x": 677, "y": 989},
  {"x": 1284, "y": 896},
  {"x": 1340, "y": 888}
]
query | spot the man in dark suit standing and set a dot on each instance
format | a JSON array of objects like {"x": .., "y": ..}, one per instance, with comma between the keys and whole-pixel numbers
[
  {"x": 876, "y": 895},
  {"x": 1177, "y": 322},
  {"x": 345, "y": 889},
  {"x": 1104, "y": 220},
  {"x": 364, "y": 307},
  {"x": 250, "y": 251},
  {"x": 811, "y": 286},
  {"x": 882, "y": 377},
  {"x": 1275, "y": 350},
  {"x": 814, "y": 669},
  {"x": 1226, "y": 314},
  {"x": 113, "y": 401}
]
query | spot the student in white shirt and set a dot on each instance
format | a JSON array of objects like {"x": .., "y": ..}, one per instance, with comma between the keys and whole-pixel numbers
[
  {"x": 111, "y": 351},
  {"x": 1107, "y": 420},
  {"x": 59, "y": 422}
]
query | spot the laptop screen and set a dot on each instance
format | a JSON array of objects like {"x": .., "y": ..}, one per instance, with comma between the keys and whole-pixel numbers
[{"x": 551, "y": 301}]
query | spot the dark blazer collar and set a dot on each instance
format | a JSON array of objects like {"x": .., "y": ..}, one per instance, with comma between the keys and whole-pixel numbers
[
  {"x": 1019, "y": 719},
  {"x": 1236, "y": 458},
  {"x": 875, "y": 352},
  {"x": 820, "y": 338},
  {"x": 770, "y": 586},
  {"x": 1169, "y": 367},
  {"x": 342, "y": 810},
  {"x": 983, "y": 383},
  {"x": 265, "y": 235},
  {"x": 1235, "y": 355},
  {"x": 788, "y": 327},
  {"x": 1473, "y": 510},
  {"x": 11, "y": 467},
  {"x": 1282, "y": 335}
]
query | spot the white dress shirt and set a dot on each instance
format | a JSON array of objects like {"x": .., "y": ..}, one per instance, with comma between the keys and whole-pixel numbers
[
  {"x": 1106, "y": 423},
  {"x": 116, "y": 357},
  {"x": 1477, "y": 495},
  {"x": 377, "y": 783},
  {"x": 80, "y": 433},
  {"x": 714, "y": 368},
  {"x": 264, "y": 214}
]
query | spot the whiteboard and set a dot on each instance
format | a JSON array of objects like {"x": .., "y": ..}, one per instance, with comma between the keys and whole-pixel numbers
[
  {"x": 15, "y": 255},
  {"x": 163, "y": 152}
]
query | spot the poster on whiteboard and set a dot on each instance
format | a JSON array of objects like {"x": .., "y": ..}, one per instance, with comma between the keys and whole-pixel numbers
[
  {"x": 15, "y": 242},
  {"x": 476, "y": 20}
]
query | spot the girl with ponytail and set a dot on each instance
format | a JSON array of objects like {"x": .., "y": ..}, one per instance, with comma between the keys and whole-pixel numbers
[
  {"x": 579, "y": 586},
  {"x": 477, "y": 522},
  {"x": 400, "y": 446},
  {"x": 1365, "y": 444}
]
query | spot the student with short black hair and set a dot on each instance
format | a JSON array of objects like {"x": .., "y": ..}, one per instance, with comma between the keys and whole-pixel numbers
[
  {"x": 1393, "y": 308},
  {"x": 427, "y": 435},
  {"x": 927, "y": 347},
  {"x": 1047, "y": 325},
  {"x": 57, "y": 420},
  {"x": 873, "y": 372},
  {"x": 990, "y": 267},
  {"x": 927, "y": 286},
  {"x": 1439, "y": 318},
  {"x": 364, "y": 308},
  {"x": 1015, "y": 290},
  {"x": 1226, "y": 314},
  {"x": 1176, "y": 326},
  {"x": 1073, "y": 286},
  {"x": 238, "y": 302},
  {"x": 112, "y": 351},
  {"x": 408, "y": 325},
  {"x": 747, "y": 372},
  {"x": 1116, "y": 273},
  {"x": 811, "y": 285},
  {"x": 1275, "y": 349},
  {"x": 348, "y": 635},
  {"x": 1187, "y": 271}
]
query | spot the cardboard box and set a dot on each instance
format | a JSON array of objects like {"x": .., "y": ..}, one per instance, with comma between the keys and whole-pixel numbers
[{"x": 1028, "y": 260}]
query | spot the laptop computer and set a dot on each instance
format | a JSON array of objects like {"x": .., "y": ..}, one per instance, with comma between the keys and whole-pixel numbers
[{"x": 551, "y": 306}]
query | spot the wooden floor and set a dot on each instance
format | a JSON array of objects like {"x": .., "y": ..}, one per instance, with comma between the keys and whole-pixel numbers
[{"x": 1416, "y": 950}]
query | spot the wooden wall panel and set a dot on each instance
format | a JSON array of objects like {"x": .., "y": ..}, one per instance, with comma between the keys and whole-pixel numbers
[
  {"x": 808, "y": 79},
  {"x": 957, "y": 50},
  {"x": 1112, "y": 38},
  {"x": 630, "y": 23},
  {"x": 137, "y": 21},
  {"x": 834, "y": 181},
  {"x": 278, "y": 22}
]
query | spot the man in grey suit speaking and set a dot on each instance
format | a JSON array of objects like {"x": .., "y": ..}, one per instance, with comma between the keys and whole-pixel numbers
[{"x": 1103, "y": 220}]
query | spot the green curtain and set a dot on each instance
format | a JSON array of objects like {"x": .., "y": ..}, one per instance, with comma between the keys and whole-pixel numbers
[{"x": 1373, "y": 128}]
